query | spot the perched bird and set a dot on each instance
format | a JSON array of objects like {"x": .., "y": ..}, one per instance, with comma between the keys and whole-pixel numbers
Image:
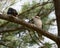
[
  {"x": 37, "y": 21},
  {"x": 12, "y": 11}
]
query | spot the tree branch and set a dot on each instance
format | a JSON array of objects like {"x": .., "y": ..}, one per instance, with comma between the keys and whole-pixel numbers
[
  {"x": 11, "y": 29},
  {"x": 39, "y": 31},
  {"x": 36, "y": 5}
]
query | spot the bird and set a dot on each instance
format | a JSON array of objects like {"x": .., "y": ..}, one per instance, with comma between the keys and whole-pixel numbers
[
  {"x": 37, "y": 21},
  {"x": 12, "y": 11}
]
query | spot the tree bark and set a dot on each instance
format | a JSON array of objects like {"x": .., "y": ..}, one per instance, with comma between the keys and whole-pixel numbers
[{"x": 57, "y": 12}]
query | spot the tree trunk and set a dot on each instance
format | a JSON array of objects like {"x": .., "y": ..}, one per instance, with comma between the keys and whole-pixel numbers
[{"x": 57, "y": 12}]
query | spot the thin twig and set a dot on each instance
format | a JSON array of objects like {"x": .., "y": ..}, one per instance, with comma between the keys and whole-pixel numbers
[{"x": 36, "y": 5}]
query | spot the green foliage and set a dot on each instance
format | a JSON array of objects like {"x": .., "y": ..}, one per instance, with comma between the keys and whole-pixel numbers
[
  {"x": 26, "y": 6},
  {"x": 10, "y": 24},
  {"x": 47, "y": 45},
  {"x": 2, "y": 21},
  {"x": 31, "y": 13},
  {"x": 48, "y": 6},
  {"x": 24, "y": 39},
  {"x": 45, "y": 26}
]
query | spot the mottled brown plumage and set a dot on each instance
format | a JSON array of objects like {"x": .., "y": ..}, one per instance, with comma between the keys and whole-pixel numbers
[{"x": 38, "y": 23}]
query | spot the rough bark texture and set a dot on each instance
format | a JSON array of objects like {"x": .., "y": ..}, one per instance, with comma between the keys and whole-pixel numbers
[{"x": 57, "y": 12}]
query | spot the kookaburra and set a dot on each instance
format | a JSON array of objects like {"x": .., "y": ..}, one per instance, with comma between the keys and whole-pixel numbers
[{"x": 37, "y": 21}]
